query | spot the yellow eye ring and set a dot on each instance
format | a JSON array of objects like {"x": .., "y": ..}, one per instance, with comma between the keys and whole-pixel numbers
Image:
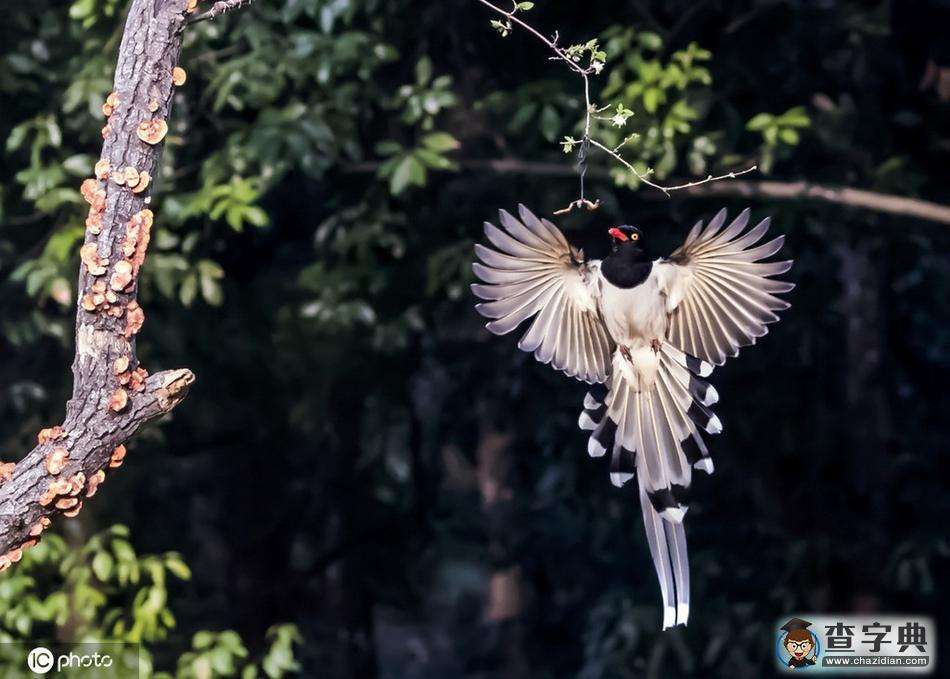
[{"x": 634, "y": 236}]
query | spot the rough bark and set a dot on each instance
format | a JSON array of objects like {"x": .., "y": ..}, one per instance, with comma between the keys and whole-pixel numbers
[{"x": 108, "y": 316}]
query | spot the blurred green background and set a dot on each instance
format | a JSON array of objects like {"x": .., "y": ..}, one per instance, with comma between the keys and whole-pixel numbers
[{"x": 366, "y": 473}]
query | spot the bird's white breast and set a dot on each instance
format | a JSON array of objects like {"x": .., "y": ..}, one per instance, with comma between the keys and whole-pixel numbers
[{"x": 634, "y": 316}]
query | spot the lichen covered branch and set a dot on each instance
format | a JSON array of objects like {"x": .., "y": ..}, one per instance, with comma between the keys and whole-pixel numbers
[{"x": 113, "y": 395}]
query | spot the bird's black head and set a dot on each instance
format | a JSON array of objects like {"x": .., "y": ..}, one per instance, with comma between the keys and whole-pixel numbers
[{"x": 625, "y": 236}]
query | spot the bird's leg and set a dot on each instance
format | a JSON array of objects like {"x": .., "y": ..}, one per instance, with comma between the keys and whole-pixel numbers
[
  {"x": 655, "y": 344},
  {"x": 625, "y": 352}
]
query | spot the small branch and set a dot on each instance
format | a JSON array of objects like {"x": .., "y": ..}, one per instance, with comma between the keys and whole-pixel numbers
[
  {"x": 112, "y": 393},
  {"x": 552, "y": 44},
  {"x": 590, "y": 111},
  {"x": 579, "y": 203},
  {"x": 862, "y": 199},
  {"x": 667, "y": 189},
  {"x": 219, "y": 8},
  {"x": 837, "y": 195}
]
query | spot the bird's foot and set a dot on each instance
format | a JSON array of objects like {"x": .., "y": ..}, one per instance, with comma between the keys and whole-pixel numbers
[
  {"x": 625, "y": 352},
  {"x": 655, "y": 344}
]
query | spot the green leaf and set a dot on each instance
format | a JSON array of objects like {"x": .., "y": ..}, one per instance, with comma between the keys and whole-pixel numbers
[
  {"x": 82, "y": 9},
  {"x": 795, "y": 117},
  {"x": 388, "y": 147},
  {"x": 102, "y": 565},
  {"x": 211, "y": 291},
  {"x": 423, "y": 70},
  {"x": 760, "y": 122},
  {"x": 789, "y": 136},
  {"x": 177, "y": 567},
  {"x": 202, "y": 640},
  {"x": 650, "y": 41},
  {"x": 409, "y": 171},
  {"x": 189, "y": 289},
  {"x": 440, "y": 142},
  {"x": 433, "y": 160}
]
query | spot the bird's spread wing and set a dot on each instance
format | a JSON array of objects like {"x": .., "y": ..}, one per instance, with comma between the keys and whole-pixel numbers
[
  {"x": 535, "y": 272},
  {"x": 720, "y": 295}
]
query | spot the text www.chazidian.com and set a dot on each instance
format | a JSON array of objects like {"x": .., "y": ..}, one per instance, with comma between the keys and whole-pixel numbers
[{"x": 889, "y": 660}]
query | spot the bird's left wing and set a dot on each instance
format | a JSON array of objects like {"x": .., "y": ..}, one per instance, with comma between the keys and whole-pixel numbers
[
  {"x": 719, "y": 294},
  {"x": 535, "y": 272}
]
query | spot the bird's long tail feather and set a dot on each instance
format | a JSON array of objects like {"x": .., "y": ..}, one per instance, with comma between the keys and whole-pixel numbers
[
  {"x": 655, "y": 431},
  {"x": 667, "y": 540}
]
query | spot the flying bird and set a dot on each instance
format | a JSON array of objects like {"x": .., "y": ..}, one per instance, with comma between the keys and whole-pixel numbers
[{"x": 645, "y": 333}]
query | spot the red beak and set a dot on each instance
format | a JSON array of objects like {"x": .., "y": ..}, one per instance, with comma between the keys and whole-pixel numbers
[{"x": 618, "y": 234}]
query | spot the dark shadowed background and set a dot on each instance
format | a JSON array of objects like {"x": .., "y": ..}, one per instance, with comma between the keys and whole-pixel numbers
[{"x": 360, "y": 458}]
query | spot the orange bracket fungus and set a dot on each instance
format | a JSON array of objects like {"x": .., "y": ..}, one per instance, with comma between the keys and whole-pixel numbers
[
  {"x": 118, "y": 455},
  {"x": 118, "y": 400},
  {"x": 134, "y": 318},
  {"x": 121, "y": 365},
  {"x": 108, "y": 108},
  {"x": 66, "y": 503},
  {"x": 144, "y": 180},
  {"x": 152, "y": 131},
  {"x": 50, "y": 434},
  {"x": 53, "y": 490},
  {"x": 94, "y": 222},
  {"x": 89, "y": 254},
  {"x": 39, "y": 526},
  {"x": 137, "y": 235},
  {"x": 137, "y": 379},
  {"x": 102, "y": 169},
  {"x": 6, "y": 471},
  {"x": 56, "y": 460},
  {"x": 70, "y": 513},
  {"x": 121, "y": 275},
  {"x": 93, "y": 485},
  {"x": 179, "y": 76},
  {"x": 77, "y": 482}
]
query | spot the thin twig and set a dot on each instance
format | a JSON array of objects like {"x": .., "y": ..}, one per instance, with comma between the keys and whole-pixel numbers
[
  {"x": 550, "y": 43},
  {"x": 590, "y": 111},
  {"x": 219, "y": 8},
  {"x": 666, "y": 189}
]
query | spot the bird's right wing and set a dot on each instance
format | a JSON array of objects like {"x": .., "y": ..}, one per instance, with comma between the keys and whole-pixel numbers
[{"x": 535, "y": 272}]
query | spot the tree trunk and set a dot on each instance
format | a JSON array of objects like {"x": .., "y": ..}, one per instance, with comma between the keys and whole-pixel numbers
[{"x": 112, "y": 396}]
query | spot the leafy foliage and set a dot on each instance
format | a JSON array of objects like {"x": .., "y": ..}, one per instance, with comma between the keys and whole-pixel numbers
[{"x": 102, "y": 591}]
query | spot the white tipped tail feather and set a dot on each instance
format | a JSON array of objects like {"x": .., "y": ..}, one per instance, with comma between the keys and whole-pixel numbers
[{"x": 655, "y": 433}]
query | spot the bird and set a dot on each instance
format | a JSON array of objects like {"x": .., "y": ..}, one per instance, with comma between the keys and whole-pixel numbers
[{"x": 644, "y": 333}]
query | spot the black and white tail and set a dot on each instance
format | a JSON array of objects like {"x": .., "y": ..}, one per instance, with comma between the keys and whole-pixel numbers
[{"x": 655, "y": 433}]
